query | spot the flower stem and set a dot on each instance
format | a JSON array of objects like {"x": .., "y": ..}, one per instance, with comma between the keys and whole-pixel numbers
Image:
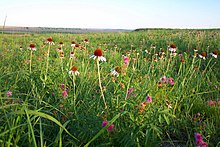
[
  {"x": 47, "y": 65},
  {"x": 30, "y": 61},
  {"x": 100, "y": 85},
  {"x": 74, "y": 94}
]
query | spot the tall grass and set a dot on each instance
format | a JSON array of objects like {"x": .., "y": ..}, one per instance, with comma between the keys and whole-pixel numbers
[{"x": 39, "y": 114}]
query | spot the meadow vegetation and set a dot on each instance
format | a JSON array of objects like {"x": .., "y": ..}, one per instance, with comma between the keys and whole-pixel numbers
[{"x": 144, "y": 88}]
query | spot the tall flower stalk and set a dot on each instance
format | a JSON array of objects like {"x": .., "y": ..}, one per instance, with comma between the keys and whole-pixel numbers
[
  {"x": 32, "y": 48},
  {"x": 98, "y": 57}
]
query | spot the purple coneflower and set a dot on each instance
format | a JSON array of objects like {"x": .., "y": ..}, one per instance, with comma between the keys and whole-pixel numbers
[
  {"x": 74, "y": 71},
  {"x": 32, "y": 47},
  {"x": 98, "y": 55}
]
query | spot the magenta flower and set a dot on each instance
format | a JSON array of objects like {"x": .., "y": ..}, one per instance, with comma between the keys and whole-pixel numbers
[
  {"x": 126, "y": 60},
  {"x": 104, "y": 123},
  {"x": 199, "y": 141},
  {"x": 9, "y": 93},
  {"x": 149, "y": 99},
  {"x": 130, "y": 90},
  {"x": 62, "y": 86},
  {"x": 171, "y": 81},
  {"x": 110, "y": 128},
  {"x": 212, "y": 103},
  {"x": 65, "y": 94}
]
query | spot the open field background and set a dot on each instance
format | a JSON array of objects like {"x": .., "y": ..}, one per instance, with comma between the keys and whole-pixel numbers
[{"x": 160, "y": 97}]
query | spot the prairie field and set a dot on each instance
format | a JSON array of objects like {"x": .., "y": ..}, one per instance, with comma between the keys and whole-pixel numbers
[{"x": 140, "y": 88}]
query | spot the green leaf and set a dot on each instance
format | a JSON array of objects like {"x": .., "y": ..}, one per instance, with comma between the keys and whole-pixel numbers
[
  {"x": 166, "y": 119},
  {"x": 44, "y": 115}
]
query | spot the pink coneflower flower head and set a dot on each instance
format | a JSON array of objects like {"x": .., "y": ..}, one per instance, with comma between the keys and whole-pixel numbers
[
  {"x": 50, "y": 41},
  {"x": 214, "y": 53},
  {"x": 74, "y": 71},
  {"x": 171, "y": 81},
  {"x": 172, "y": 48},
  {"x": 149, "y": 99},
  {"x": 32, "y": 47},
  {"x": 126, "y": 60},
  {"x": 64, "y": 94},
  {"x": 203, "y": 55},
  {"x": 104, "y": 123},
  {"x": 110, "y": 128},
  {"x": 98, "y": 55},
  {"x": 61, "y": 44},
  {"x": 8, "y": 93},
  {"x": 71, "y": 54},
  {"x": 163, "y": 79}
]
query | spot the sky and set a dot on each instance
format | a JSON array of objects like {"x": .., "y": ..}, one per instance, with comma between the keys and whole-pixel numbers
[{"x": 111, "y": 14}]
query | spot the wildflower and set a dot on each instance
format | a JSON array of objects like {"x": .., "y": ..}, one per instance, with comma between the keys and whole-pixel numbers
[
  {"x": 149, "y": 99},
  {"x": 74, "y": 71},
  {"x": 163, "y": 79},
  {"x": 50, "y": 41},
  {"x": 62, "y": 86},
  {"x": 182, "y": 60},
  {"x": 126, "y": 60},
  {"x": 168, "y": 104},
  {"x": 59, "y": 49},
  {"x": 21, "y": 48},
  {"x": 71, "y": 55},
  {"x": 32, "y": 47},
  {"x": 214, "y": 53},
  {"x": 172, "y": 48},
  {"x": 104, "y": 123},
  {"x": 73, "y": 44},
  {"x": 130, "y": 90},
  {"x": 203, "y": 55},
  {"x": 61, "y": 54},
  {"x": 86, "y": 41},
  {"x": 110, "y": 128},
  {"x": 98, "y": 54},
  {"x": 199, "y": 140},
  {"x": 196, "y": 49},
  {"x": 9, "y": 93},
  {"x": 212, "y": 103},
  {"x": 171, "y": 81},
  {"x": 61, "y": 44},
  {"x": 116, "y": 71},
  {"x": 64, "y": 94}
]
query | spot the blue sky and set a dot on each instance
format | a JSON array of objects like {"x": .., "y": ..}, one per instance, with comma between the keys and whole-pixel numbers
[{"x": 121, "y": 14}]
